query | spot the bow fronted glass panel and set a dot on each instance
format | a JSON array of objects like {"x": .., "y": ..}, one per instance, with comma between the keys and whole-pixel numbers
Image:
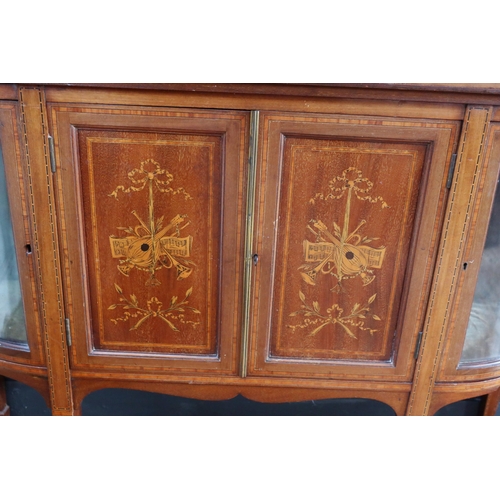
[
  {"x": 12, "y": 320},
  {"x": 482, "y": 341}
]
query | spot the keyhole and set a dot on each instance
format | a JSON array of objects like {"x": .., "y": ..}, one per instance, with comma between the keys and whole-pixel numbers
[
  {"x": 28, "y": 249},
  {"x": 144, "y": 247}
]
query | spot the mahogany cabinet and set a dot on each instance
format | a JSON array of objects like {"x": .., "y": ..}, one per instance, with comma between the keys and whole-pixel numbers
[{"x": 283, "y": 242}]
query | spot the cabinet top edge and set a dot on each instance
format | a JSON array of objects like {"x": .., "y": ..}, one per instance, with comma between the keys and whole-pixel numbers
[
  {"x": 292, "y": 88},
  {"x": 458, "y": 93},
  {"x": 437, "y": 93}
]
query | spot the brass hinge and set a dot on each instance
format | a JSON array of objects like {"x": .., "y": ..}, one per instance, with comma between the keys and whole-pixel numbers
[
  {"x": 68, "y": 331},
  {"x": 52, "y": 154},
  {"x": 417, "y": 347},
  {"x": 451, "y": 171}
]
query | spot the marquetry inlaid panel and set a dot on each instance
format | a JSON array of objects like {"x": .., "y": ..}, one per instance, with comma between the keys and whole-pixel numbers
[
  {"x": 345, "y": 223},
  {"x": 348, "y": 210},
  {"x": 152, "y": 224},
  {"x": 151, "y": 206}
]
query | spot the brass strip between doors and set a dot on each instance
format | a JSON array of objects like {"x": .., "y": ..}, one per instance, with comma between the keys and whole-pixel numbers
[{"x": 249, "y": 251}]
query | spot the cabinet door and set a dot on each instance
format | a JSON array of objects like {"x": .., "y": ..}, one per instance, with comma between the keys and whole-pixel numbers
[
  {"x": 20, "y": 337},
  {"x": 348, "y": 214},
  {"x": 152, "y": 211},
  {"x": 472, "y": 351}
]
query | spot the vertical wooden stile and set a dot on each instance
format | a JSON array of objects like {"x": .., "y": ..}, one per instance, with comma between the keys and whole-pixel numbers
[
  {"x": 34, "y": 134},
  {"x": 458, "y": 216}
]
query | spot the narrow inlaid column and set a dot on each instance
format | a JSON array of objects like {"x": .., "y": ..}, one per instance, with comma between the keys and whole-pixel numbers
[
  {"x": 43, "y": 218},
  {"x": 449, "y": 265}
]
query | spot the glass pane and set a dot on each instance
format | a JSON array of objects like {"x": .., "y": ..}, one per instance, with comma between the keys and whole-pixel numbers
[
  {"x": 482, "y": 341},
  {"x": 12, "y": 322}
]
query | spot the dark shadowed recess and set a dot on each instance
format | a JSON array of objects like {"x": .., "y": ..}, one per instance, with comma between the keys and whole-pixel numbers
[
  {"x": 24, "y": 400},
  {"x": 128, "y": 402}
]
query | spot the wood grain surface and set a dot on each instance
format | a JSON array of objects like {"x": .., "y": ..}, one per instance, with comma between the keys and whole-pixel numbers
[
  {"x": 154, "y": 285},
  {"x": 264, "y": 394},
  {"x": 470, "y": 159},
  {"x": 159, "y": 195},
  {"x": 46, "y": 246},
  {"x": 137, "y": 239},
  {"x": 364, "y": 202},
  {"x": 343, "y": 257},
  {"x": 261, "y": 101}
]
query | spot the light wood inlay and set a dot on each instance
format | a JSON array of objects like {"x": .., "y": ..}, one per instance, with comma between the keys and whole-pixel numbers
[
  {"x": 449, "y": 264},
  {"x": 34, "y": 127}
]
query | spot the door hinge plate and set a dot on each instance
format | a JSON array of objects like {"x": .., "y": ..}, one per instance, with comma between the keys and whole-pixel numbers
[
  {"x": 451, "y": 171},
  {"x": 419, "y": 342},
  {"x": 52, "y": 154},
  {"x": 68, "y": 331}
]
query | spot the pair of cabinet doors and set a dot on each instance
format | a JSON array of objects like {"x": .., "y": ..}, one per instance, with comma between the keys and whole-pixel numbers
[{"x": 153, "y": 215}]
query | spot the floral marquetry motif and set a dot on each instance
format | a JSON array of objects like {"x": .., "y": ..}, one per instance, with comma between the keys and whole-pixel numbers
[
  {"x": 149, "y": 246},
  {"x": 343, "y": 254},
  {"x": 132, "y": 310},
  {"x": 347, "y": 250},
  {"x": 334, "y": 316}
]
